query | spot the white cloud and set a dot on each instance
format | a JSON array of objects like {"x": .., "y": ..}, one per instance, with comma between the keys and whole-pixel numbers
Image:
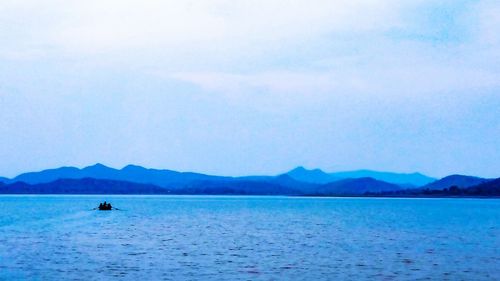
[
  {"x": 489, "y": 23},
  {"x": 215, "y": 43},
  {"x": 110, "y": 26},
  {"x": 407, "y": 77}
]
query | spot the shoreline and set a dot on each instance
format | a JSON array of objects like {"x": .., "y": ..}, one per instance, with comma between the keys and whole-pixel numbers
[{"x": 253, "y": 195}]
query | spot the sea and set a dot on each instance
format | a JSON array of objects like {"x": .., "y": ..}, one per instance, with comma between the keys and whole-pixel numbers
[{"x": 61, "y": 237}]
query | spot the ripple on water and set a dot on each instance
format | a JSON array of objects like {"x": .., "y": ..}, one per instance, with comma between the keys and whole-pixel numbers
[{"x": 220, "y": 238}]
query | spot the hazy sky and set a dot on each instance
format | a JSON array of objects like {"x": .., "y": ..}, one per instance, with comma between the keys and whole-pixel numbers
[{"x": 251, "y": 87}]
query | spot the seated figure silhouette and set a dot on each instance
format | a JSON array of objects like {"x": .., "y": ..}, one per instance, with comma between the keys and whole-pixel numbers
[{"x": 105, "y": 206}]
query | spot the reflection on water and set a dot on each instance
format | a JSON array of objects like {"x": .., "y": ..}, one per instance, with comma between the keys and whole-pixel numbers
[{"x": 242, "y": 238}]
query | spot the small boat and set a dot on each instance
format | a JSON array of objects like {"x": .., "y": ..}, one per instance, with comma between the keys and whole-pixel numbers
[{"x": 105, "y": 206}]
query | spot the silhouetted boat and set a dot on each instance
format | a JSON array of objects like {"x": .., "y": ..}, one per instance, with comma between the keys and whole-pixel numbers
[{"x": 105, "y": 206}]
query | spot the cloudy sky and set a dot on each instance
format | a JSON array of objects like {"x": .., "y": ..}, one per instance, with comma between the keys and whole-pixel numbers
[{"x": 251, "y": 87}]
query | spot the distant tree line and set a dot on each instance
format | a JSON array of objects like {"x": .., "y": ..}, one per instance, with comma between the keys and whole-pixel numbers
[{"x": 491, "y": 188}]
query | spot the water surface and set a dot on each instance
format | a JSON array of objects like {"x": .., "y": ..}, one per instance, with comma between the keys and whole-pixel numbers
[{"x": 248, "y": 238}]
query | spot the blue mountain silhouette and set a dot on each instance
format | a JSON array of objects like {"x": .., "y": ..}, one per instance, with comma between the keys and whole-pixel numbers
[
  {"x": 456, "y": 180},
  {"x": 356, "y": 187},
  {"x": 134, "y": 179},
  {"x": 319, "y": 176},
  {"x": 132, "y": 173}
]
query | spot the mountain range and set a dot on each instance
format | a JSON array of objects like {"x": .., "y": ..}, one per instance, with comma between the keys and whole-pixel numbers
[
  {"x": 456, "y": 180},
  {"x": 132, "y": 179},
  {"x": 319, "y": 176},
  {"x": 130, "y": 173},
  {"x": 487, "y": 188}
]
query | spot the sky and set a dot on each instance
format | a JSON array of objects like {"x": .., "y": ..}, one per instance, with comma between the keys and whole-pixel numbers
[{"x": 251, "y": 87}]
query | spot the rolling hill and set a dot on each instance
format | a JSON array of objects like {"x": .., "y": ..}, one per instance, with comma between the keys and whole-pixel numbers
[
  {"x": 316, "y": 176},
  {"x": 356, "y": 187},
  {"x": 102, "y": 186},
  {"x": 455, "y": 180},
  {"x": 133, "y": 179},
  {"x": 320, "y": 177},
  {"x": 489, "y": 188},
  {"x": 131, "y": 173},
  {"x": 82, "y": 186},
  {"x": 411, "y": 179}
]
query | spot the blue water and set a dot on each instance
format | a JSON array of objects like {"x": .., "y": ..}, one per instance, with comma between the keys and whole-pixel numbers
[{"x": 248, "y": 238}]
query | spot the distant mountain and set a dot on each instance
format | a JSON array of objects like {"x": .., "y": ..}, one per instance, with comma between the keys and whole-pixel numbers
[
  {"x": 49, "y": 175},
  {"x": 321, "y": 177},
  {"x": 299, "y": 181},
  {"x": 415, "y": 179},
  {"x": 356, "y": 187},
  {"x": 491, "y": 187},
  {"x": 311, "y": 176},
  {"x": 179, "y": 182},
  {"x": 289, "y": 182},
  {"x": 238, "y": 187},
  {"x": 131, "y": 173},
  {"x": 264, "y": 186},
  {"x": 169, "y": 178},
  {"x": 163, "y": 178},
  {"x": 283, "y": 180},
  {"x": 455, "y": 180},
  {"x": 100, "y": 186},
  {"x": 82, "y": 186}
]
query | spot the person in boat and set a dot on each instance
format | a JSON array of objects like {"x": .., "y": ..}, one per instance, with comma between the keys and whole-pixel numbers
[{"x": 105, "y": 206}]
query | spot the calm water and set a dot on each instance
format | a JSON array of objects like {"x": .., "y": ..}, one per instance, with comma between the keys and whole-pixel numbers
[{"x": 248, "y": 238}]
